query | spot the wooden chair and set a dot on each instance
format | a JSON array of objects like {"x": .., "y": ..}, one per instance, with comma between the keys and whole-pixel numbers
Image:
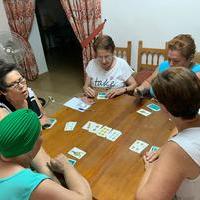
[
  {"x": 197, "y": 57},
  {"x": 124, "y": 52},
  {"x": 150, "y": 58}
]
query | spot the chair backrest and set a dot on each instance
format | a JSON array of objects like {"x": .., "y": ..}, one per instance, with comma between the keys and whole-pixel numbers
[
  {"x": 150, "y": 58},
  {"x": 124, "y": 52},
  {"x": 197, "y": 57}
]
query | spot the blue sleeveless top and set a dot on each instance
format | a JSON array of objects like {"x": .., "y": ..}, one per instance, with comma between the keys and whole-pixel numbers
[
  {"x": 165, "y": 65},
  {"x": 20, "y": 185}
]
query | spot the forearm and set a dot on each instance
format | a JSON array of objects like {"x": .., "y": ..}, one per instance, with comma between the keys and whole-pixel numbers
[
  {"x": 76, "y": 182},
  {"x": 139, "y": 194},
  {"x": 39, "y": 163}
]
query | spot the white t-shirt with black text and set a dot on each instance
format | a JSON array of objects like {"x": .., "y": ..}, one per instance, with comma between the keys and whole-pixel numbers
[{"x": 114, "y": 78}]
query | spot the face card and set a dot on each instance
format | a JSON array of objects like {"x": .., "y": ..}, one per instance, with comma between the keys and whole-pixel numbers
[
  {"x": 69, "y": 126},
  {"x": 138, "y": 146},
  {"x": 76, "y": 152},
  {"x": 153, "y": 107},
  {"x": 102, "y": 95},
  {"x": 71, "y": 161},
  {"x": 154, "y": 148},
  {"x": 113, "y": 135},
  {"x": 50, "y": 123},
  {"x": 144, "y": 112},
  {"x": 104, "y": 131}
]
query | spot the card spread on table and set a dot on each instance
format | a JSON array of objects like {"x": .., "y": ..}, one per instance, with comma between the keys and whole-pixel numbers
[
  {"x": 144, "y": 112},
  {"x": 138, "y": 146},
  {"x": 71, "y": 161},
  {"x": 102, "y": 95},
  {"x": 69, "y": 126},
  {"x": 113, "y": 135},
  {"x": 154, "y": 148},
  {"x": 94, "y": 128},
  {"x": 104, "y": 131},
  {"x": 76, "y": 152},
  {"x": 153, "y": 107},
  {"x": 88, "y": 125}
]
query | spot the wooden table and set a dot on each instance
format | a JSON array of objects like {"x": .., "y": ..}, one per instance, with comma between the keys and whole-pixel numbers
[{"x": 112, "y": 170}]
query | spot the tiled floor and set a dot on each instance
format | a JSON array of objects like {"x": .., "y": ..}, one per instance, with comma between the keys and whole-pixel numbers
[{"x": 63, "y": 81}]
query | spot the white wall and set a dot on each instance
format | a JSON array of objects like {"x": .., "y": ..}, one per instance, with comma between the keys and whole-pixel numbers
[
  {"x": 3, "y": 18},
  {"x": 34, "y": 39},
  {"x": 154, "y": 22}
]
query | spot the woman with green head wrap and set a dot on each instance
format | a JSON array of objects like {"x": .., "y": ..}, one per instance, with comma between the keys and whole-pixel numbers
[{"x": 20, "y": 141}]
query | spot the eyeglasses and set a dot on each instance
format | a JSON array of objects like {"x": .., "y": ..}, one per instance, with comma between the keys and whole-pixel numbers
[
  {"x": 107, "y": 58},
  {"x": 16, "y": 84}
]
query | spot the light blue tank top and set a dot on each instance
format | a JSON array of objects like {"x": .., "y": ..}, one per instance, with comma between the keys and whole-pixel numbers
[
  {"x": 20, "y": 185},
  {"x": 165, "y": 65}
]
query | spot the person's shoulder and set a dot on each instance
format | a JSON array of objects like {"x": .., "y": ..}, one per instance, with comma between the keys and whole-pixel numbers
[{"x": 121, "y": 60}]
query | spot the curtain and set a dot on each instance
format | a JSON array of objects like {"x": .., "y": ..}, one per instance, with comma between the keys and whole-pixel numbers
[
  {"x": 20, "y": 14},
  {"x": 84, "y": 17}
]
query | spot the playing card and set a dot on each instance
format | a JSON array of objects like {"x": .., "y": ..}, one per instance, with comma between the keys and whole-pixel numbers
[
  {"x": 71, "y": 161},
  {"x": 76, "y": 152},
  {"x": 113, "y": 135},
  {"x": 89, "y": 125},
  {"x": 144, "y": 112},
  {"x": 154, "y": 148},
  {"x": 69, "y": 126},
  {"x": 138, "y": 146},
  {"x": 102, "y": 132},
  {"x": 50, "y": 123},
  {"x": 94, "y": 128},
  {"x": 153, "y": 107},
  {"x": 102, "y": 95}
]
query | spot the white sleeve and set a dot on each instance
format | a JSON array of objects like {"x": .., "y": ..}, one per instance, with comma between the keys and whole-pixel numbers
[
  {"x": 89, "y": 68},
  {"x": 127, "y": 71}
]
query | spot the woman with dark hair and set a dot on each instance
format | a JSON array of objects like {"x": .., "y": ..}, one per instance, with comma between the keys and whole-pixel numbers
[
  {"x": 177, "y": 169},
  {"x": 14, "y": 95},
  {"x": 181, "y": 50},
  {"x": 20, "y": 141},
  {"x": 108, "y": 71}
]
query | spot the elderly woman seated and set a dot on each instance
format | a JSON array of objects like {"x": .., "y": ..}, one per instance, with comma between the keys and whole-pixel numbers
[
  {"x": 20, "y": 141},
  {"x": 107, "y": 71}
]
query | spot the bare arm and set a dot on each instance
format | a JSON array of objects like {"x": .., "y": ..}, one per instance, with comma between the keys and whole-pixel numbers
[
  {"x": 161, "y": 180},
  {"x": 88, "y": 90},
  {"x": 130, "y": 86},
  {"x": 39, "y": 163},
  {"x": 44, "y": 119},
  {"x": 79, "y": 188},
  {"x": 3, "y": 113},
  {"x": 147, "y": 82},
  {"x": 198, "y": 74}
]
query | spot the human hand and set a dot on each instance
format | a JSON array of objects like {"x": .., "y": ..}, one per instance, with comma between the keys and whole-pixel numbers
[
  {"x": 59, "y": 163},
  {"x": 115, "y": 92},
  {"x": 89, "y": 92},
  {"x": 137, "y": 91},
  {"x": 152, "y": 155},
  {"x": 147, "y": 164}
]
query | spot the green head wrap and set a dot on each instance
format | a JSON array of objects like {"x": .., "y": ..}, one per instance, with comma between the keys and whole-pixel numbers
[{"x": 18, "y": 133}]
